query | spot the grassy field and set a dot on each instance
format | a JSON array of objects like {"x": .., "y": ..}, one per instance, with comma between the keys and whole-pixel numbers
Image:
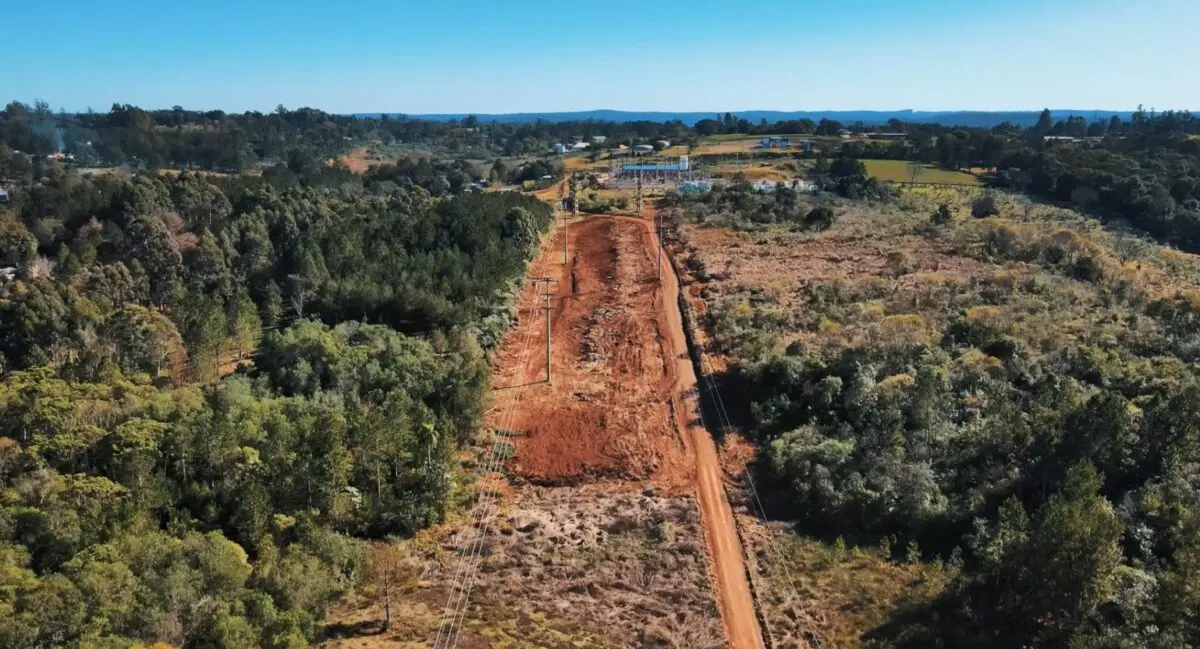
[{"x": 899, "y": 171}]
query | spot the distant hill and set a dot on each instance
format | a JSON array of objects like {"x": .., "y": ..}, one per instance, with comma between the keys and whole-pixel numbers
[{"x": 955, "y": 118}]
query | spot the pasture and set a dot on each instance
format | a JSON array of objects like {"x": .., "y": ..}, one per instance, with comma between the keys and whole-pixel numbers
[{"x": 901, "y": 171}]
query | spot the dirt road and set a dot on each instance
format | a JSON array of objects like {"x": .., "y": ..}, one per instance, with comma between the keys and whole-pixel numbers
[
  {"x": 720, "y": 528},
  {"x": 622, "y": 411}
]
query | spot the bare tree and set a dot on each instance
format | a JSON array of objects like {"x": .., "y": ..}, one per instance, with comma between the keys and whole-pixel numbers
[
  {"x": 1128, "y": 247},
  {"x": 914, "y": 170},
  {"x": 299, "y": 294},
  {"x": 1027, "y": 205},
  {"x": 388, "y": 571}
]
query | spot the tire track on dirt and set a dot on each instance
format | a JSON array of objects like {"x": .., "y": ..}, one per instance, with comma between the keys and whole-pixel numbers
[
  {"x": 623, "y": 411},
  {"x": 720, "y": 528}
]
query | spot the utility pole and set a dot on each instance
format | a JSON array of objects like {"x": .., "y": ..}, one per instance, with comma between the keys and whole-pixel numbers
[
  {"x": 639, "y": 194},
  {"x": 544, "y": 284},
  {"x": 658, "y": 261},
  {"x": 547, "y": 296},
  {"x": 574, "y": 210}
]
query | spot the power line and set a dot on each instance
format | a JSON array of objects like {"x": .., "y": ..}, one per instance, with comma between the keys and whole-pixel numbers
[
  {"x": 458, "y": 591},
  {"x": 760, "y": 510},
  {"x": 450, "y": 612},
  {"x": 726, "y": 426},
  {"x": 450, "y": 628},
  {"x": 473, "y": 558}
]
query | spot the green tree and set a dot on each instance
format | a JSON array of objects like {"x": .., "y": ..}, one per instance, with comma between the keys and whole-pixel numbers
[
  {"x": 203, "y": 326},
  {"x": 1045, "y": 122},
  {"x": 18, "y": 247},
  {"x": 245, "y": 326},
  {"x": 1069, "y": 567}
]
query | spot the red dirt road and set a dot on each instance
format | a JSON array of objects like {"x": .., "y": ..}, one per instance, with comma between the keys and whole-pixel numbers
[{"x": 622, "y": 409}]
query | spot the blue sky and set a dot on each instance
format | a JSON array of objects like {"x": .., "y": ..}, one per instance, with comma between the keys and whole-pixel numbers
[{"x": 475, "y": 56}]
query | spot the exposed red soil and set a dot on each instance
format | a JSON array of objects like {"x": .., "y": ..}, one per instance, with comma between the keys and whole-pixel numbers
[
  {"x": 357, "y": 161},
  {"x": 623, "y": 402},
  {"x": 607, "y": 412}
]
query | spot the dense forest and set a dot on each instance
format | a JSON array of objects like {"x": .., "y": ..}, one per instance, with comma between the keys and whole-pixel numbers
[{"x": 151, "y": 493}]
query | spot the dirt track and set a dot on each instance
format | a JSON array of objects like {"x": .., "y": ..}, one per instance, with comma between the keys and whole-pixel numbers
[{"x": 622, "y": 410}]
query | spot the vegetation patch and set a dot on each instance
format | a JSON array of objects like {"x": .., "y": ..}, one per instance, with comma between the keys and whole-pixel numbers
[{"x": 972, "y": 388}]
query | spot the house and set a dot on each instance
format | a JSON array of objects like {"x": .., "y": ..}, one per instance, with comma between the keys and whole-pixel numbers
[
  {"x": 643, "y": 149},
  {"x": 579, "y": 146},
  {"x": 663, "y": 144},
  {"x": 560, "y": 148},
  {"x": 3, "y": 195},
  {"x": 599, "y": 139},
  {"x": 806, "y": 145}
]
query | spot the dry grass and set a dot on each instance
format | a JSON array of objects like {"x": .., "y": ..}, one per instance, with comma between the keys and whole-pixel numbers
[
  {"x": 580, "y": 162},
  {"x": 832, "y": 593},
  {"x": 726, "y": 147},
  {"x": 753, "y": 171},
  {"x": 563, "y": 569}
]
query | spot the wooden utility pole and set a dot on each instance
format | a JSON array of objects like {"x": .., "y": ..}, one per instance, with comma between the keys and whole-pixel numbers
[
  {"x": 544, "y": 284},
  {"x": 547, "y": 296},
  {"x": 572, "y": 190},
  {"x": 658, "y": 230}
]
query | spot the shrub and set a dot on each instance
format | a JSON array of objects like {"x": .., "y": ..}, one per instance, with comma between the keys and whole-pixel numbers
[
  {"x": 984, "y": 206},
  {"x": 942, "y": 216},
  {"x": 820, "y": 218}
]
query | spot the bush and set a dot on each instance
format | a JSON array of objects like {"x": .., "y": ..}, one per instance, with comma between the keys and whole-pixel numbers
[
  {"x": 942, "y": 216},
  {"x": 820, "y": 218},
  {"x": 984, "y": 206}
]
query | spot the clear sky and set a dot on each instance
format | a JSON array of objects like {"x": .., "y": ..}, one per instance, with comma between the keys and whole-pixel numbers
[{"x": 422, "y": 56}]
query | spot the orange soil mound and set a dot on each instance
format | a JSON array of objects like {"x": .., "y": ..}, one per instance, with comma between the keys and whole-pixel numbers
[{"x": 608, "y": 413}]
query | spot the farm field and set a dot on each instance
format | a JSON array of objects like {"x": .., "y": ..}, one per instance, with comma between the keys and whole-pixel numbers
[{"x": 899, "y": 171}]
